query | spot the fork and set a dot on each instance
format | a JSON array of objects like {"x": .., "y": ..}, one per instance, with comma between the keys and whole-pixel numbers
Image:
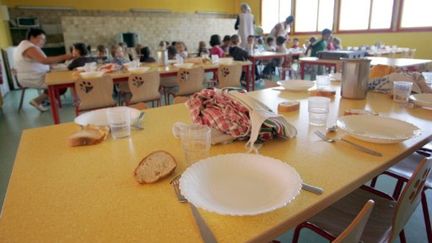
[
  {"x": 205, "y": 231},
  {"x": 137, "y": 123},
  {"x": 358, "y": 147}
]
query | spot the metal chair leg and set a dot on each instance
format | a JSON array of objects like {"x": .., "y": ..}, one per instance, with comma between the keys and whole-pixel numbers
[{"x": 23, "y": 90}]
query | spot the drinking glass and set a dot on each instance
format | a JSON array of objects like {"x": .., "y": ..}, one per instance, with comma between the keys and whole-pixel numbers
[
  {"x": 119, "y": 122},
  {"x": 401, "y": 91},
  {"x": 196, "y": 141},
  {"x": 318, "y": 108}
]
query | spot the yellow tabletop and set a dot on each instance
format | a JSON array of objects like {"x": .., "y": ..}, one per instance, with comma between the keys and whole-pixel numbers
[
  {"x": 394, "y": 62},
  {"x": 65, "y": 77},
  {"x": 58, "y": 193}
]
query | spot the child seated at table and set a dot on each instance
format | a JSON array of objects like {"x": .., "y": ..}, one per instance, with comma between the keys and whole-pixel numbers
[
  {"x": 270, "y": 44},
  {"x": 226, "y": 42},
  {"x": 308, "y": 45},
  {"x": 101, "y": 54},
  {"x": 320, "y": 45},
  {"x": 337, "y": 43},
  {"x": 172, "y": 52},
  {"x": 259, "y": 44},
  {"x": 202, "y": 49},
  {"x": 80, "y": 55},
  {"x": 215, "y": 42},
  {"x": 181, "y": 49},
  {"x": 145, "y": 55},
  {"x": 296, "y": 43},
  {"x": 118, "y": 55},
  {"x": 250, "y": 44},
  {"x": 235, "y": 51}
]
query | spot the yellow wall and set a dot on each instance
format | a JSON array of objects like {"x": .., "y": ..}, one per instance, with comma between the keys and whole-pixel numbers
[
  {"x": 5, "y": 39},
  {"x": 174, "y": 5}
]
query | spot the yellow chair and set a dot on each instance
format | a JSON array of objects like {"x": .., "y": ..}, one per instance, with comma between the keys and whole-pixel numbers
[
  {"x": 229, "y": 75},
  {"x": 94, "y": 93},
  {"x": 388, "y": 218},
  {"x": 144, "y": 87}
]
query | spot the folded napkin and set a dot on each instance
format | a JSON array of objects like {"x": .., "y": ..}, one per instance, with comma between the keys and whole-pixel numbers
[
  {"x": 385, "y": 84},
  {"x": 238, "y": 115}
]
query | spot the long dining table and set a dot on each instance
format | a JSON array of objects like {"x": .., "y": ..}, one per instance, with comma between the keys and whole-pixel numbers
[
  {"x": 58, "y": 193},
  {"x": 57, "y": 80}
]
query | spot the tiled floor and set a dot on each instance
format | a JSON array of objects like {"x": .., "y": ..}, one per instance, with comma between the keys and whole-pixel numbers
[{"x": 13, "y": 122}]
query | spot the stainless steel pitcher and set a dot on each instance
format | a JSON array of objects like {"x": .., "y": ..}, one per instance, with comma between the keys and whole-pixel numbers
[
  {"x": 355, "y": 75},
  {"x": 162, "y": 57}
]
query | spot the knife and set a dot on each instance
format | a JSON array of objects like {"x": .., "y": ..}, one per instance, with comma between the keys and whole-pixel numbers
[
  {"x": 313, "y": 189},
  {"x": 361, "y": 148},
  {"x": 206, "y": 233}
]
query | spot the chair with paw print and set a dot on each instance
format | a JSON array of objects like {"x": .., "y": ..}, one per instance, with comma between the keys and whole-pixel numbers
[
  {"x": 94, "y": 93},
  {"x": 190, "y": 80},
  {"x": 386, "y": 221},
  {"x": 229, "y": 75},
  {"x": 144, "y": 87}
]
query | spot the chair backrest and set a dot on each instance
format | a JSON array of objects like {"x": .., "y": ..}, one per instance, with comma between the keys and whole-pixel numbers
[
  {"x": 410, "y": 197},
  {"x": 144, "y": 87},
  {"x": 354, "y": 231},
  {"x": 190, "y": 80},
  {"x": 94, "y": 93},
  {"x": 229, "y": 75}
]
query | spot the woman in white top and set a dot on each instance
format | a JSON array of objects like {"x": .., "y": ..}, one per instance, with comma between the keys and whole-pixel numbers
[
  {"x": 32, "y": 64},
  {"x": 245, "y": 24},
  {"x": 283, "y": 28}
]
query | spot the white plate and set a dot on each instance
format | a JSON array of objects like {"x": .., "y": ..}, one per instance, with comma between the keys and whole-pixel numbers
[
  {"x": 240, "y": 184},
  {"x": 296, "y": 85},
  {"x": 183, "y": 65},
  {"x": 92, "y": 74},
  {"x": 138, "y": 70},
  {"x": 99, "y": 117},
  {"x": 424, "y": 100},
  {"x": 377, "y": 129}
]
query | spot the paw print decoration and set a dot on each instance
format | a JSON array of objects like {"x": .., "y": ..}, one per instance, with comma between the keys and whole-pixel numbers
[
  {"x": 86, "y": 86},
  {"x": 418, "y": 185},
  {"x": 137, "y": 81},
  {"x": 184, "y": 75},
  {"x": 225, "y": 72}
]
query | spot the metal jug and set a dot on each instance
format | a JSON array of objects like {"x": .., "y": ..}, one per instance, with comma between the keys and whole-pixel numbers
[
  {"x": 162, "y": 57},
  {"x": 355, "y": 75}
]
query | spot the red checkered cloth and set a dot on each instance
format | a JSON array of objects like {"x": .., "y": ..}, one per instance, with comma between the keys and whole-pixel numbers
[{"x": 217, "y": 110}]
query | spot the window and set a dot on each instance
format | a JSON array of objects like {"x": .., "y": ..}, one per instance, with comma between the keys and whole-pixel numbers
[
  {"x": 365, "y": 14},
  {"x": 416, "y": 13},
  {"x": 313, "y": 15},
  {"x": 273, "y": 12}
]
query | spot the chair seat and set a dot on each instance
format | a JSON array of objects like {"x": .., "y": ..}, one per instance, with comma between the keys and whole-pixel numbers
[
  {"x": 338, "y": 216},
  {"x": 406, "y": 167}
]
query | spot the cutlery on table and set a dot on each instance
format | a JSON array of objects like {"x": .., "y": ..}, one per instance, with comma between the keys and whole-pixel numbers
[
  {"x": 137, "y": 123},
  {"x": 358, "y": 147},
  {"x": 313, "y": 189},
  {"x": 206, "y": 233}
]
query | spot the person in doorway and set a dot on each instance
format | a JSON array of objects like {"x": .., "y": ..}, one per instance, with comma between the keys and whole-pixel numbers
[
  {"x": 32, "y": 64},
  {"x": 283, "y": 28},
  {"x": 245, "y": 24}
]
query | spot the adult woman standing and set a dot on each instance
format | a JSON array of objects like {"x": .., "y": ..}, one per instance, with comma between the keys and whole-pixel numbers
[
  {"x": 32, "y": 64},
  {"x": 283, "y": 28},
  {"x": 245, "y": 24}
]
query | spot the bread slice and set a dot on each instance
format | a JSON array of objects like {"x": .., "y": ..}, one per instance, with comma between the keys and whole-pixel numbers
[
  {"x": 154, "y": 167},
  {"x": 89, "y": 135}
]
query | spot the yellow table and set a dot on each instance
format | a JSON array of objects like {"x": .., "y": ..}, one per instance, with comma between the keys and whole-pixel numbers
[
  {"x": 65, "y": 79},
  {"x": 88, "y": 194}
]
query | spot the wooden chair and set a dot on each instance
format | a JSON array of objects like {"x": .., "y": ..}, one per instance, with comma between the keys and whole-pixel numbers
[
  {"x": 402, "y": 171},
  {"x": 189, "y": 81},
  {"x": 229, "y": 75},
  {"x": 144, "y": 87},
  {"x": 94, "y": 93},
  {"x": 386, "y": 221}
]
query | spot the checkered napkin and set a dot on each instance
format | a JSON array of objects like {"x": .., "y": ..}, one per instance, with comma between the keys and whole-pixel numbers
[{"x": 238, "y": 115}]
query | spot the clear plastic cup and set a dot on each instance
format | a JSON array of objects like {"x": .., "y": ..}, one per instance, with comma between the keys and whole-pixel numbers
[
  {"x": 318, "y": 108},
  {"x": 428, "y": 78},
  {"x": 119, "y": 122},
  {"x": 401, "y": 91},
  {"x": 196, "y": 141},
  {"x": 322, "y": 81}
]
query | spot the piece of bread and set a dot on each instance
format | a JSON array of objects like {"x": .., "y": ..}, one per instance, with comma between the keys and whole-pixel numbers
[
  {"x": 287, "y": 106},
  {"x": 154, "y": 167},
  {"x": 89, "y": 135},
  {"x": 323, "y": 92}
]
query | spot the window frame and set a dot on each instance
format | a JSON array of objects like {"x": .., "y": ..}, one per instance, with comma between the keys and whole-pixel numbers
[
  {"x": 368, "y": 30},
  {"x": 399, "y": 27},
  {"x": 293, "y": 12},
  {"x": 261, "y": 13}
]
